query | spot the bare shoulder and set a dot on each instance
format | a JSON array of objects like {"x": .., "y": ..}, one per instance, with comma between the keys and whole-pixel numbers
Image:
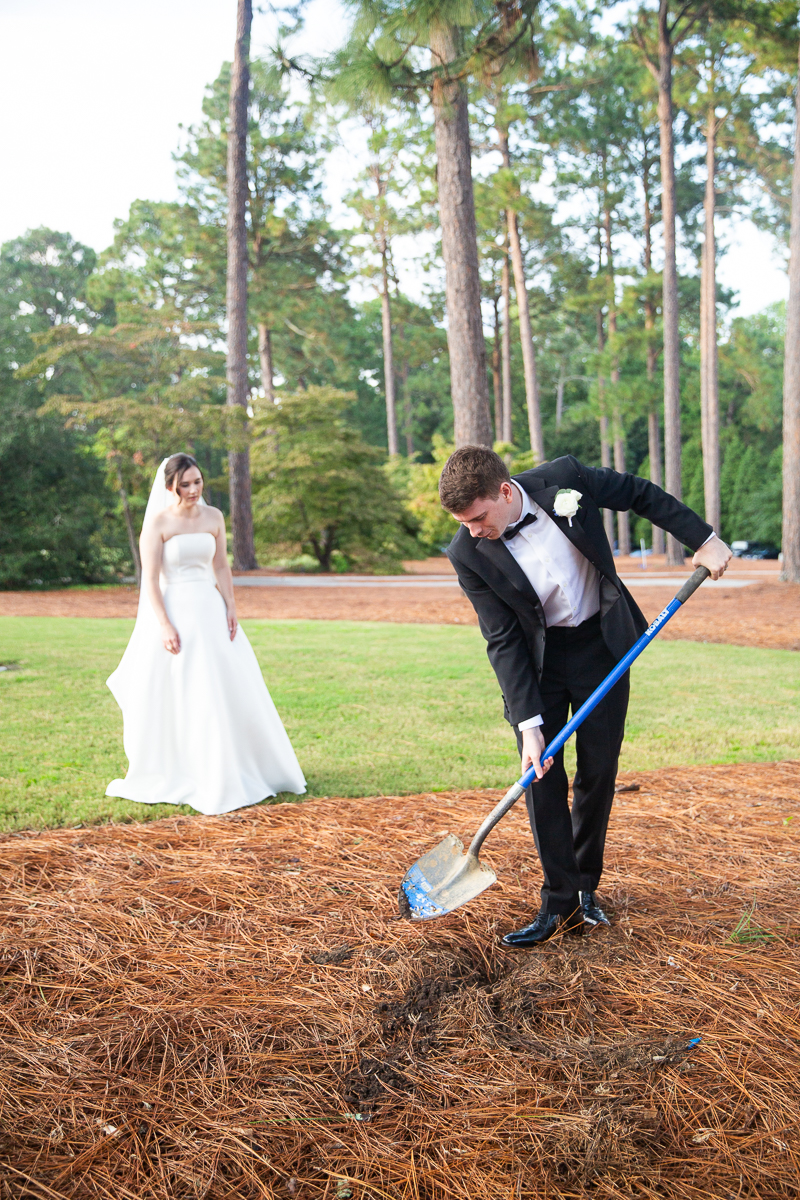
[
  {"x": 156, "y": 524},
  {"x": 214, "y": 519}
]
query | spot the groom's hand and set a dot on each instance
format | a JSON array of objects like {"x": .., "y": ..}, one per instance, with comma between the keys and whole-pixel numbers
[
  {"x": 532, "y": 747},
  {"x": 714, "y": 555}
]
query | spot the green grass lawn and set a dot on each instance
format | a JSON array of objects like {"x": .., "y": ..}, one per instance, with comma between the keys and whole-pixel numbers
[{"x": 370, "y": 709}]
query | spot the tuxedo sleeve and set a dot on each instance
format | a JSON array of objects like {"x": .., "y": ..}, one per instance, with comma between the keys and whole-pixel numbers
[
  {"x": 622, "y": 492},
  {"x": 506, "y": 646}
]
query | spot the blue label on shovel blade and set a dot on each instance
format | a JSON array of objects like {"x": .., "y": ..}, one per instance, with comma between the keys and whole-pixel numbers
[{"x": 416, "y": 888}]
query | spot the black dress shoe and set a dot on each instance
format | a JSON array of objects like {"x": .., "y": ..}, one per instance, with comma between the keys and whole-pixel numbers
[
  {"x": 542, "y": 928},
  {"x": 593, "y": 914}
]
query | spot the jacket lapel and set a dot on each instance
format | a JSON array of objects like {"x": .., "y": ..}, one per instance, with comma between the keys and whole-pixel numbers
[
  {"x": 501, "y": 557},
  {"x": 545, "y": 498}
]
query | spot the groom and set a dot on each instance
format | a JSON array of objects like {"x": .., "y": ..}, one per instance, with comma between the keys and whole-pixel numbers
[{"x": 534, "y": 560}]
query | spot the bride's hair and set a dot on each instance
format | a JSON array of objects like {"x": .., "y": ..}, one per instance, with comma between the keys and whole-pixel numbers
[{"x": 175, "y": 466}]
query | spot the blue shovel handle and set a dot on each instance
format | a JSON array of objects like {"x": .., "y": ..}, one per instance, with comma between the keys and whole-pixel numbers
[{"x": 561, "y": 739}]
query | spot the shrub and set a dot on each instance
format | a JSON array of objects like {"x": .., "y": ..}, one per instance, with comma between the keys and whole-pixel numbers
[{"x": 318, "y": 486}]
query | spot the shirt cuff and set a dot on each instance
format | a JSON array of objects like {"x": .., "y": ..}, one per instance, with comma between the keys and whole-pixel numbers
[
  {"x": 708, "y": 539},
  {"x": 531, "y": 723}
]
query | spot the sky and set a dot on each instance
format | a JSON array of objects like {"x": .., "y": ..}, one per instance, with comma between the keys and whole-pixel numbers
[{"x": 93, "y": 94}]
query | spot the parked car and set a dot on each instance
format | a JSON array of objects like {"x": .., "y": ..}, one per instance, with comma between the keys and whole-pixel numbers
[{"x": 754, "y": 550}]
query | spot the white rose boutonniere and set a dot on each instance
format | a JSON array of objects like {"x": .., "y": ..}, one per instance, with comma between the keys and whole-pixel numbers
[{"x": 566, "y": 503}]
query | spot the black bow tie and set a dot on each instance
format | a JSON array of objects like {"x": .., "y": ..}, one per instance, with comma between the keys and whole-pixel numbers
[{"x": 513, "y": 530}]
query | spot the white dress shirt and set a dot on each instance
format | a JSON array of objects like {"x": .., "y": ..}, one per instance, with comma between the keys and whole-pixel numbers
[{"x": 564, "y": 580}]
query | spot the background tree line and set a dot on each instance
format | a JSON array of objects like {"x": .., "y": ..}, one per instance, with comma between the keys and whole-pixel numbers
[{"x": 557, "y": 184}]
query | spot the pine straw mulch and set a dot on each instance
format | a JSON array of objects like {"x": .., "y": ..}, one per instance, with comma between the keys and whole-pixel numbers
[{"x": 230, "y": 1007}]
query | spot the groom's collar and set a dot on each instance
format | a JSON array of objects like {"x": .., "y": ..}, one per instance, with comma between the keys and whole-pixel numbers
[
  {"x": 527, "y": 504},
  {"x": 539, "y": 494}
]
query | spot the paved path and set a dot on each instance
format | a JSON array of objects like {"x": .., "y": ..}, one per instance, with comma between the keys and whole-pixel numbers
[{"x": 427, "y": 581}]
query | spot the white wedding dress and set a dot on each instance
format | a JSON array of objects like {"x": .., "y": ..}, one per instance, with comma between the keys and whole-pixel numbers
[{"x": 200, "y": 727}]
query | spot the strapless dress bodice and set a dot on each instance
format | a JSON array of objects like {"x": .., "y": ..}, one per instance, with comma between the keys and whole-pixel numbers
[{"x": 187, "y": 558}]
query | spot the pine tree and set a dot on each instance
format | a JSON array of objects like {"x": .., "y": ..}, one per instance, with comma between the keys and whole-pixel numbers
[
  {"x": 244, "y": 554},
  {"x": 383, "y": 187},
  {"x": 383, "y": 56},
  {"x": 791, "y": 379},
  {"x": 658, "y": 50}
]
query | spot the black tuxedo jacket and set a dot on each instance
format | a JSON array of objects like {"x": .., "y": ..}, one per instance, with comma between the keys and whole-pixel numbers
[{"x": 509, "y": 611}]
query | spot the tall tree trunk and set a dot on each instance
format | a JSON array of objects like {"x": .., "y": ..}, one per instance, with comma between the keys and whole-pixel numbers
[
  {"x": 623, "y": 525},
  {"x": 508, "y": 432},
  {"x": 709, "y": 373},
  {"x": 532, "y": 401},
  {"x": 623, "y": 522},
  {"x": 407, "y": 413},
  {"x": 605, "y": 445},
  {"x": 267, "y": 373},
  {"x": 653, "y": 428},
  {"x": 388, "y": 356},
  {"x": 126, "y": 510},
  {"x": 791, "y": 380},
  {"x": 497, "y": 383},
  {"x": 265, "y": 361},
  {"x": 605, "y": 461},
  {"x": 654, "y": 452},
  {"x": 560, "y": 395},
  {"x": 244, "y": 555},
  {"x": 672, "y": 392},
  {"x": 468, "y": 381}
]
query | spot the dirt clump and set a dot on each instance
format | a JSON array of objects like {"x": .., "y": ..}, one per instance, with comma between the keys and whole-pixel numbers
[
  {"x": 331, "y": 958},
  {"x": 375, "y": 1080}
]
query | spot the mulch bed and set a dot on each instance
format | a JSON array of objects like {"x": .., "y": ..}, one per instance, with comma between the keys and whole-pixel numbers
[
  {"x": 763, "y": 614},
  {"x": 231, "y": 1007}
]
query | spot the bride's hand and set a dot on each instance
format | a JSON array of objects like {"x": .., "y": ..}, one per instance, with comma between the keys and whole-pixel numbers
[
  {"x": 171, "y": 639},
  {"x": 233, "y": 624}
]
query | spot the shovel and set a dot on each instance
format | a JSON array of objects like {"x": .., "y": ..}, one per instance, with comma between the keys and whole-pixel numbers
[{"x": 446, "y": 877}]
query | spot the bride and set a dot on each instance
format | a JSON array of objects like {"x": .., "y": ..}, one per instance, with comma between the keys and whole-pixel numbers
[{"x": 200, "y": 727}]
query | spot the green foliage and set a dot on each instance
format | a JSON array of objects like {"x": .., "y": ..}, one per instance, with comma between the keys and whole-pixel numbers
[
  {"x": 751, "y": 385},
  {"x": 422, "y": 370},
  {"x": 384, "y": 52},
  {"x": 56, "y": 523},
  {"x": 107, "y": 364},
  {"x": 385, "y": 196},
  {"x": 748, "y": 932},
  {"x": 319, "y": 486},
  {"x": 55, "y": 526},
  {"x": 420, "y": 485},
  {"x": 143, "y": 391},
  {"x": 298, "y": 264}
]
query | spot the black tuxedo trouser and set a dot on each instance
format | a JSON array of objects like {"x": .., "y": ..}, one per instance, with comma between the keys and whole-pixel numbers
[{"x": 571, "y": 845}]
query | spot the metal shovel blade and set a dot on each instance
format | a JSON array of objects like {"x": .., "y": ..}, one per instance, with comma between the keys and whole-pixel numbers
[{"x": 443, "y": 879}]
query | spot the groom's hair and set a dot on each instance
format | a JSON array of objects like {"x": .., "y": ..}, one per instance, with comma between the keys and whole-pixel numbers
[
  {"x": 471, "y": 473},
  {"x": 175, "y": 467}
]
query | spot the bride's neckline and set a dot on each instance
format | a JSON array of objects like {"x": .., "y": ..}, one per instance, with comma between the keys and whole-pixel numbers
[{"x": 190, "y": 533}]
